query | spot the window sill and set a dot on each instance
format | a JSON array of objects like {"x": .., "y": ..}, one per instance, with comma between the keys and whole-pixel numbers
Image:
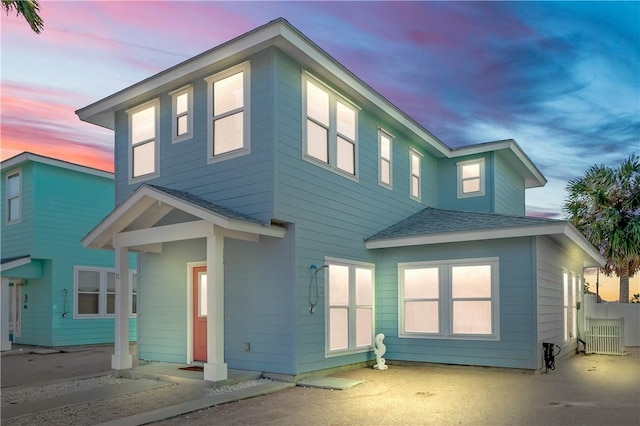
[{"x": 330, "y": 168}]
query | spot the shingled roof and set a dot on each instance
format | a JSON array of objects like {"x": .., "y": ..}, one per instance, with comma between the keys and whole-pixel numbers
[
  {"x": 436, "y": 221},
  {"x": 206, "y": 204}
]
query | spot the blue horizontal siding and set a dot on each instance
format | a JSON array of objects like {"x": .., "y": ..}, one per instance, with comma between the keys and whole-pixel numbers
[{"x": 517, "y": 308}]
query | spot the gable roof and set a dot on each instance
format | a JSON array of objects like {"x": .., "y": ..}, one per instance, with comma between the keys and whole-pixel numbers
[
  {"x": 281, "y": 34},
  {"x": 37, "y": 158},
  {"x": 148, "y": 205},
  {"x": 438, "y": 226}
]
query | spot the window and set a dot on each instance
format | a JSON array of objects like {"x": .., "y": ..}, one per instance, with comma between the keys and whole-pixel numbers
[
  {"x": 574, "y": 307},
  {"x": 454, "y": 300},
  {"x": 385, "y": 173},
  {"x": 471, "y": 178},
  {"x": 349, "y": 307},
  {"x": 182, "y": 113},
  {"x": 331, "y": 129},
  {"x": 228, "y": 103},
  {"x": 565, "y": 304},
  {"x": 569, "y": 305},
  {"x": 143, "y": 127},
  {"x": 415, "y": 159},
  {"x": 14, "y": 199},
  {"x": 95, "y": 292}
]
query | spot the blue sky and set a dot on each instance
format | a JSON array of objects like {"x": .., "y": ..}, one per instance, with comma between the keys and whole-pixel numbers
[{"x": 561, "y": 78}]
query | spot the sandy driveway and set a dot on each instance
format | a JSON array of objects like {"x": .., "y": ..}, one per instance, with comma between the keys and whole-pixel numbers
[{"x": 584, "y": 390}]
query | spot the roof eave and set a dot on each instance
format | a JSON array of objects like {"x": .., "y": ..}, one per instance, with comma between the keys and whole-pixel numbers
[
  {"x": 277, "y": 33},
  {"x": 533, "y": 177},
  {"x": 101, "y": 237},
  {"x": 565, "y": 229}
]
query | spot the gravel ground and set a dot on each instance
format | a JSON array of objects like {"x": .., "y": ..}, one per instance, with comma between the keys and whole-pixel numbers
[
  {"x": 95, "y": 412},
  {"x": 22, "y": 395}
]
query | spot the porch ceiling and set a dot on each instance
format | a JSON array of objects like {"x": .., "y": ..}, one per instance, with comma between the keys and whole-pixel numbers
[{"x": 152, "y": 215}]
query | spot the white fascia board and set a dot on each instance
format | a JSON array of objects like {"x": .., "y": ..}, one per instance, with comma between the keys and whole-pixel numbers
[
  {"x": 36, "y": 158},
  {"x": 15, "y": 263},
  {"x": 317, "y": 55},
  {"x": 279, "y": 34},
  {"x": 102, "y": 112},
  {"x": 102, "y": 235},
  {"x": 561, "y": 228},
  {"x": 581, "y": 241},
  {"x": 164, "y": 234},
  {"x": 455, "y": 237}
]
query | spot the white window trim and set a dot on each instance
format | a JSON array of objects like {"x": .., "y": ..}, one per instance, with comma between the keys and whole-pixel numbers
[
  {"x": 481, "y": 191},
  {"x": 17, "y": 172},
  {"x": 334, "y": 97},
  {"x": 174, "y": 115},
  {"x": 412, "y": 153},
  {"x": 352, "y": 349},
  {"x": 156, "y": 104},
  {"x": 382, "y": 132},
  {"x": 570, "y": 294},
  {"x": 245, "y": 68},
  {"x": 102, "y": 294},
  {"x": 445, "y": 305}
]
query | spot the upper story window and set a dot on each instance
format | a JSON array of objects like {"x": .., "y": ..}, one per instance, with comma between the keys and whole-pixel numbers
[
  {"x": 14, "y": 197},
  {"x": 454, "y": 300},
  {"x": 95, "y": 292},
  {"x": 143, "y": 136},
  {"x": 228, "y": 97},
  {"x": 385, "y": 148},
  {"x": 182, "y": 114},
  {"x": 349, "y": 307},
  {"x": 330, "y": 129},
  {"x": 471, "y": 178},
  {"x": 416, "y": 182}
]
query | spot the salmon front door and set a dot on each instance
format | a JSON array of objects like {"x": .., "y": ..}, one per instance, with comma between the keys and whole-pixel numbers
[{"x": 200, "y": 313}]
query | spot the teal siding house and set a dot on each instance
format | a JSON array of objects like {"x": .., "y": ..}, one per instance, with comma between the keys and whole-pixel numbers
[
  {"x": 286, "y": 213},
  {"x": 55, "y": 292}
]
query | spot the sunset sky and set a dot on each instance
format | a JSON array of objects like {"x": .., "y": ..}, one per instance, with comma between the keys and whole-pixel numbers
[{"x": 562, "y": 79}]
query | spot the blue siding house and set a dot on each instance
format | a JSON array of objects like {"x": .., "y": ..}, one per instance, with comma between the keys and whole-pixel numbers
[
  {"x": 55, "y": 292},
  {"x": 286, "y": 213}
]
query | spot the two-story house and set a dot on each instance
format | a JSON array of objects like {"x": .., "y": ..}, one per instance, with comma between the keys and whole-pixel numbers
[
  {"x": 286, "y": 213},
  {"x": 55, "y": 292}
]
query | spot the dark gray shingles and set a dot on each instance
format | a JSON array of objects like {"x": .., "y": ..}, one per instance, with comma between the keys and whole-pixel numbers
[
  {"x": 205, "y": 204},
  {"x": 431, "y": 221}
]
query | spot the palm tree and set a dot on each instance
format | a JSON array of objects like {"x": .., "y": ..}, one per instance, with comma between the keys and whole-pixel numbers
[
  {"x": 604, "y": 205},
  {"x": 28, "y": 9}
]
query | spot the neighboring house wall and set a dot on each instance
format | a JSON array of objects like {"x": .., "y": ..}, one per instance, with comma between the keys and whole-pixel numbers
[
  {"x": 552, "y": 262},
  {"x": 36, "y": 313},
  {"x": 18, "y": 238},
  {"x": 60, "y": 205},
  {"x": 516, "y": 306}
]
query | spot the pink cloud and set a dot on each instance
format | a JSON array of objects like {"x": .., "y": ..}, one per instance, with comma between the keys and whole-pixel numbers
[{"x": 49, "y": 127}]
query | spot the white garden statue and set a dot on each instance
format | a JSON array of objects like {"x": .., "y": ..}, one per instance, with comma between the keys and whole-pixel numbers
[{"x": 379, "y": 350}]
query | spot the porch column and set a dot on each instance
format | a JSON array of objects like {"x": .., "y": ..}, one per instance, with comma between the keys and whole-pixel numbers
[
  {"x": 121, "y": 359},
  {"x": 4, "y": 314},
  {"x": 215, "y": 369}
]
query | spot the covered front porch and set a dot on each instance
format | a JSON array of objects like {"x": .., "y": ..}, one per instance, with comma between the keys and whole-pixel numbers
[{"x": 148, "y": 219}]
